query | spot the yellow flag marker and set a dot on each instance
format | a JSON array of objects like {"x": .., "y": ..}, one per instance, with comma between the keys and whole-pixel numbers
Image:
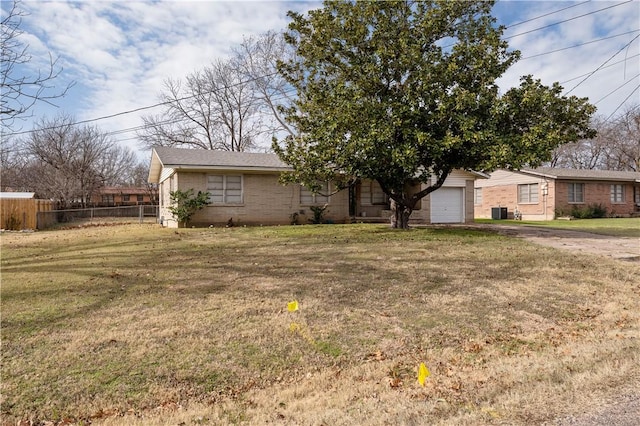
[
  {"x": 423, "y": 373},
  {"x": 292, "y": 306}
]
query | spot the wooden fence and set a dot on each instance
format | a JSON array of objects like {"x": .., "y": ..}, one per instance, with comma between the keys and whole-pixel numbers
[{"x": 22, "y": 213}]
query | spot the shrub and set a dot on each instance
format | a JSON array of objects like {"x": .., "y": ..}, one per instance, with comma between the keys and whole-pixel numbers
[
  {"x": 318, "y": 214},
  {"x": 185, "y": 204},
  {"x": 591, "y": 211}
]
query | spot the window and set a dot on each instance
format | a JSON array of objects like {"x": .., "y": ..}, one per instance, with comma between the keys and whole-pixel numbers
[
  {"x": 528, "y": 193},
  {"x": 108, "y": 199},
  {"x": 617, "y": 193},
  {"x": 224, "y": 189},
  {"x": 576, "y": 192},
  {"x": 371, "y": 193},
  {"x": 477, "y": 196},
  {"x": 126, "y": 197},
  {"x": 308, "y": 198},
  {"x": 140, "y": 198}
]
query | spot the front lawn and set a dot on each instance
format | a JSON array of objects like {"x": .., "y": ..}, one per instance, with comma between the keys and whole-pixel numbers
[{"x": 142, "y": 325}]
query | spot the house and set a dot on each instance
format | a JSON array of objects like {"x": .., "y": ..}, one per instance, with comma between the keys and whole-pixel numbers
[
  {"x": 244, "y": 187},
  {"x": 546, "y": 193},
  {"x": 110, "y": 196}
]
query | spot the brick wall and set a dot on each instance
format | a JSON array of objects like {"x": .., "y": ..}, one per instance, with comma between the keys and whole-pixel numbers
[
  {"x": 265, "y": 202},
  {"x": 507, "y": 196},
  {"x": 596, "y": 193}
]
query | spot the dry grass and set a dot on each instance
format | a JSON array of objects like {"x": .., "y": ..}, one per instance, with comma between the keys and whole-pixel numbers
[{"x": 149, "y": 326}]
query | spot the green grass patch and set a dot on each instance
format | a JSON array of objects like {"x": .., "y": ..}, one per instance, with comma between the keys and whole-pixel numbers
[{"x": 617, "y": 227}]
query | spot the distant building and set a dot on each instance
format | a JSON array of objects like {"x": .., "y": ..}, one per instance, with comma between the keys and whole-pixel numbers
[
  {"x": 545, "y": 192},
  {"x": 113, "y": 196}
]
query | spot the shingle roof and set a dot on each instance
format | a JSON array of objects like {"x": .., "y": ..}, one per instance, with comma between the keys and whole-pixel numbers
[
  {"x": 174, "y": 157},
  {"x": 584, "y": 174}
]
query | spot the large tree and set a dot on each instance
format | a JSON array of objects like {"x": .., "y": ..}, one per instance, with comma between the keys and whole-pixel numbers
[
  {"x": 616, "y": 147},
  {"x": 256, "y": 61},
  {"x": 69, "y": 162},
  {"x": 20, "y": 86},
  {"x": 404, "y": 92},
  {"x": 211, "y": 109}
]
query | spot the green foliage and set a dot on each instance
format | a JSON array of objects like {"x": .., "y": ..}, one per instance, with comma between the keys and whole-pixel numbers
[
  {"x": 592, "y": 211},
  {"x": 318, "y": 214},
  {"x": 185, "y": 204},
  {"x": 379, "y": 97}
]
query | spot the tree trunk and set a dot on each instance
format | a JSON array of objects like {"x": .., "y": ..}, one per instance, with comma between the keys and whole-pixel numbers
[{"x": 400, "y": 215}]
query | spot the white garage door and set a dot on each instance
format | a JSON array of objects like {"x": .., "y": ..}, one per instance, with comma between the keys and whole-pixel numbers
[{"x": 447, "y": 205}]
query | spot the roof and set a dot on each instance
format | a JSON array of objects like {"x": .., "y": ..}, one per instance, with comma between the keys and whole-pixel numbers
[
  {"x": 204, "y": 159},
  {"x": 122, "y": 190},
  {"x": 17, "y": 194},
  {"x": 583, "y": 174}
]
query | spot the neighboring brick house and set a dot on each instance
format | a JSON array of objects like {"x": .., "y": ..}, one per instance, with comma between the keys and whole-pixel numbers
[
  {"x": 544, "y": 193},
  {"x": 110, "y": 196},
  {"x": 245, "y": 188}
]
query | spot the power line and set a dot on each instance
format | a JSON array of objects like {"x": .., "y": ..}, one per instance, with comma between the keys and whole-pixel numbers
[
  {"x": 608, "y": 66},
  {"x": 91, "y": 120},
  {"x": 603, "y": 64},
  {"x": 616, "y": 89},
  {"x": 547, "y": 14},
  {"x": 567, "y": 20},
  {"x": 579, "y": 45},
  {"x": 622, "y": 103}
]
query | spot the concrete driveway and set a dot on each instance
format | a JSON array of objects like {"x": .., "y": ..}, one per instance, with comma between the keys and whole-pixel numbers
[{"x": 623, "y": 248}]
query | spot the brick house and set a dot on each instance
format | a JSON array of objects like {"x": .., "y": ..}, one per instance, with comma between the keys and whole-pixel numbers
[
  {"x": 111, "y": 196},
  {"x": 545, "y": 193},
  {"x": 245, "y": 188}
]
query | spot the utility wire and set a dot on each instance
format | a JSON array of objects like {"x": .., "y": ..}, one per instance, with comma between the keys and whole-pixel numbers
[
  {"x": 608, "y": 66},
  {"x": 104, "y": 117},
  {"x": 547, "y": 14},
  {"x": 566, "y": 20},
  {"x": 603, "y": 64},
  {"x": 616, "y": 89},
  {"x": 622, "y": 103},
  {"x": 580, "y": 45}
]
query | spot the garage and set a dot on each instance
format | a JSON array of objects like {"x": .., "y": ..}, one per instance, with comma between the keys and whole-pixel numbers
[{"x": 447, "y": 205}]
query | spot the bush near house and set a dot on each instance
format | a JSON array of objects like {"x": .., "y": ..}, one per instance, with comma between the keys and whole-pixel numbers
[
  {"x": 185, "y": 204},
  {"x": 592, "y": 211}
]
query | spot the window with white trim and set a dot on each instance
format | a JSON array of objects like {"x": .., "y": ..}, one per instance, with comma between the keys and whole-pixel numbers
[
  {"x": 617, "y": 193},
  {"x": 477, "y": 195},
  {"x": 308, "y": 198},
  {"x": 224, "y": 189},
  {"x": 528, "y": 193},
  {"x": 576, "y": 192}
]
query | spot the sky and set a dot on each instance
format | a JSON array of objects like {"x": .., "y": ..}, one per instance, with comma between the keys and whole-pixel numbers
[{"x": 118, "y": 53}]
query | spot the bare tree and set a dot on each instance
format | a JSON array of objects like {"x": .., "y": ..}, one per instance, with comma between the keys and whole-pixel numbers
[
  {"x": 212, "y": 109},
  {"x": 625, "y": 143},
  {"x": 19, "y": 90},
  {"x": 256, "y": 60},
  {"x": 71, "y": 162},
  {"x": 616, "y": 147},
  {"x": 14, "y": 165}
]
